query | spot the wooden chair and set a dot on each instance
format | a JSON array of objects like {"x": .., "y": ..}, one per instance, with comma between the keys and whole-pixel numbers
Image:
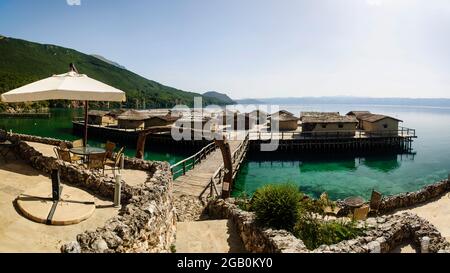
[
  {"x": 63, "y": 155},
  {"x": 360, "y": 214},
  {"x": 375, "y": 201},
  {"x": 3, "y": 136},
  {"x": 114, "y": 156},
  {"x": 78, "y": 143},
  {"x": 97, "y": 162},
  {"x": 63, "y": 145},
  {"x": 329, "y": 208},
  {"x": 115, "y": 164},
  {"x": 110, "y": 147}
]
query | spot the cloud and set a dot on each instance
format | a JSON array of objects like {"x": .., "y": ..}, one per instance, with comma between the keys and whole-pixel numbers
[{"x": 73, "y": 2}]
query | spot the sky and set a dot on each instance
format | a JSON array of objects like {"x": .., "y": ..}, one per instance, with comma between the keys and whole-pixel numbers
[{"x": 256, "y": 48}]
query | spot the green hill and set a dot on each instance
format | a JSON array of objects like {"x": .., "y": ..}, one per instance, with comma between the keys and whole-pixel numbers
[
  {"x": 219, "y": 96},
  {"x": 23, "y": 62}
]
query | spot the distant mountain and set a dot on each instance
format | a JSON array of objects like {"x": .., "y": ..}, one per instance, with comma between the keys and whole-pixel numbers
[
  {"x": 249, "y": 101},
  {"x": 357, "y": 100},
  {"x": 108, "y": 61},
  {"x": 23, "y": 62},
  {"x": 219, "y": 96}
]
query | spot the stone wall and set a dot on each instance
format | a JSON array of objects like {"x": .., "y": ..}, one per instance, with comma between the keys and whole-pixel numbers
[
  {"x": 388, "y": 232},
  {"x": 147, "y": 221},
  {"x": 146, "y": 224},
  {"x": 403, "y": 200},
  {"x": 37, "y": 139}
]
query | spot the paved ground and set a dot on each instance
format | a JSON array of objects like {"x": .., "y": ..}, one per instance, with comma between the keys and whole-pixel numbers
[
  {"x": 131, "y": 177},
  {"x": 18, "y": 234},
  {"x": 217, "y": 236}
]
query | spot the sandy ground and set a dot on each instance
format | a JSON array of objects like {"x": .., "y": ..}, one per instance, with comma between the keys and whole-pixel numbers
[
  {"x": 131, "y": 177},
  {"x": 405, "y": 248},
  {"x": 217, "y": 236},
  {"x": 18, "y": 234},
  {"x": 437, "y": 213}
]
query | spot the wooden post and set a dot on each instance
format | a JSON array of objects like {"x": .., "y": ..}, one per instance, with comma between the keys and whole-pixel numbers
[
  {"x": 140, "y": 149},
  {"x": 86, "y": 109},
  {"x": 227, "y": 185}
]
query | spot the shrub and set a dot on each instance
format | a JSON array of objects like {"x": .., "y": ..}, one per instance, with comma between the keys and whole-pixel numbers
[
  {"x": 277, "y": 206},
  {"x": 314, "y": 232},
  {"x": 243, "y": 202}
]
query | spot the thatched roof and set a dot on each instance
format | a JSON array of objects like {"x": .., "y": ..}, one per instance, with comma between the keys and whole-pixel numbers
[
  {"x": 98, "y": 113},
  {"x": 284, "y": 116},
  {"x": 329, "y": 119},
  {"x": 376, "y": 117},
  {"x": 358, "y": 114},
  {"x": 319, "y": 114},
  {"x": 133, "y": 115},
  {"x": 168, "y": 118},
  {"x": 282, "y": 112}
]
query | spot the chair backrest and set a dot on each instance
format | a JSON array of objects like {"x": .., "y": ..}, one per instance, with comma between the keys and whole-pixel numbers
[
  {"x": 78, "y": 143},
  {"x": 64, "y": 155},
  {"x": 118, "y": 157},
  {"x": 63, "y": 145},
  {"x": 324, "y": 197},
  {"x": 55, "y": 149},
  {"x": 97, "y": 161},
  {"x": 3, "y": 136},
  {"x": 361, "y": 213},
  {"x": 110, "y": 146},
  {"x": 375, "y": 200}
]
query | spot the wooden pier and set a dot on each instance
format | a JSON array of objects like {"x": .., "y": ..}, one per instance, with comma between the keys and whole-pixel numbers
[
  {"x": 359, "y": 141},
  {"x": 202, "y": 174}
]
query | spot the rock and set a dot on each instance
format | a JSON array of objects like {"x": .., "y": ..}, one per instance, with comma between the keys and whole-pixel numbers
[
  {"x": 99, "y": 245},
  {"x": 72, "y": 247}
]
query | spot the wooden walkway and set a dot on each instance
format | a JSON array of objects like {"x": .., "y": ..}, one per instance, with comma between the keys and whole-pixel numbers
[{"x": 197, "y": 179}]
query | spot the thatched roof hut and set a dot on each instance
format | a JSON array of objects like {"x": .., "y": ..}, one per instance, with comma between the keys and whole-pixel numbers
[
  {"x": 132, "y": 119},
  {"x": 133, "y": 115},
  {"x": 319, "y": 124},
  {"x": 97, "y": 117},
  {"x": 165, "y": 120},
  {"x": 375, "y": 122},
  {"x": 286, "y": 121}
]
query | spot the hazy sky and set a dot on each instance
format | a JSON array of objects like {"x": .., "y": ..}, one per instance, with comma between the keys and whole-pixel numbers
[{"x": 256, "y": 48}]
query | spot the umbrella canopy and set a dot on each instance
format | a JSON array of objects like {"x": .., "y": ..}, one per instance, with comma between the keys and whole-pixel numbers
[{"x": 69, "y": 86}]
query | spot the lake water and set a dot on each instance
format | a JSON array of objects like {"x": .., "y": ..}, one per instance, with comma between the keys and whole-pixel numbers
[
  {"x": 343, "y": 176},
  {"x": 340, "y": 176},
  {"x": 60, "y": 126}
]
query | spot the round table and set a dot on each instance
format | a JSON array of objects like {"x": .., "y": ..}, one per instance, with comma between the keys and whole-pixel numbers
[
  {"x": 354, "y": 201},
  {"x": 85, "y": 151}
]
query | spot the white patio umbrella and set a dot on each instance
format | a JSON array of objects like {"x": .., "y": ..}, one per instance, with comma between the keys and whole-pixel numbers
[{"x": 69, "y": 86}]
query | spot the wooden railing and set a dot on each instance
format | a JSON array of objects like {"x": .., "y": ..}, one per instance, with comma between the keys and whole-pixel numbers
[
  {"x": 343, "y": 134},
  {"x": 182, "y": 167},
  {"x": 237, "y": 158}
]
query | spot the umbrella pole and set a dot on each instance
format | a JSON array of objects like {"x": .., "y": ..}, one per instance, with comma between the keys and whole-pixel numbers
[{"x": 86, "y": 107}]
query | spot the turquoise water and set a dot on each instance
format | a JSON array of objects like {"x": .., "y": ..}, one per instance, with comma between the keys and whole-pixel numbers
[
  {"x": 60, "y": 126},
  {"x": 343, "y": 176}
]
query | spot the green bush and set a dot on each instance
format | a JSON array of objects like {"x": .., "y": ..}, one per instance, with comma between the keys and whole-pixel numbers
[
  {"x": 277, "y": 206},
  {"x": 314, "y": 232},
  {"x": 243, "y": 202}
]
